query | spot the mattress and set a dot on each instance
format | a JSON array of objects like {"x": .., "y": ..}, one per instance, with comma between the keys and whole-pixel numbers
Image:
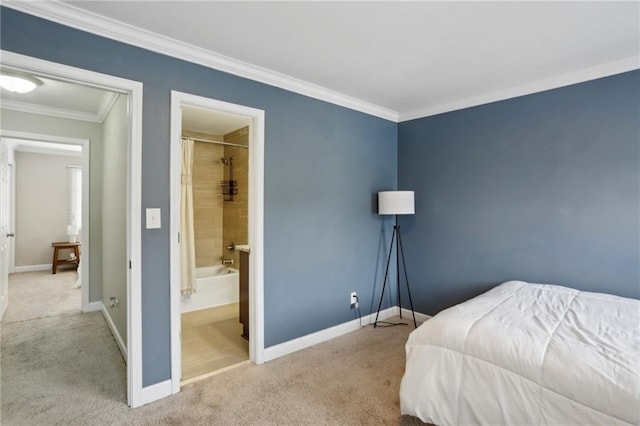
[{"x": 527, "y": 354}]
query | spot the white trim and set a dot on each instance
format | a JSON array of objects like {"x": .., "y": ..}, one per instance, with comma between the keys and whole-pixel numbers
[
  {"x": 16, "y": 139},
  {"x": 108, "y": 101},
  {"x": 256, "y": 234},
  {"x": 114, "y": 331},
  {"x": 115, "y": 30},
  {"x": 286, "y": 348},
  {"x": 256, "y": 223},
  {"x": 47, "y": 151},
  {"x": 32, "y": 268},
  {"x": 155, "y": 392},
  {"x": 134, "y": 246},
  {"x": 592, "y": 73},
  {"x": 12, "y": 223},
  {"x": 54, "y": 70},
  {"x": 84, "y": 144},
  {"x": 21, "y": 141},
  {"x": 174, "y": 242},
  {"x": 215, "y": 373},
  {"x": 93, "y": 307},
  {"x": 420, "y": 318},
  {"x": 50, "y": 111}
]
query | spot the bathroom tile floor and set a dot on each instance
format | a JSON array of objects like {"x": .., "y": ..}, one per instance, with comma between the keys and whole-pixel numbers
[{"x": 211, "y": 340}]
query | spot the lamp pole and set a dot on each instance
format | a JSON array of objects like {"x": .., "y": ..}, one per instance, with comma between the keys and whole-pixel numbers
[
  {"x": 396, "y": 202},
  {"x": 397, "y": 232}
]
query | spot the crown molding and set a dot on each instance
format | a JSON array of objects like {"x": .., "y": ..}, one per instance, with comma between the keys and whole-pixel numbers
[
  {"x": 72, "y": 16},
  {"x": 48, "y": 151},
  {"x": 50, "y": 111},
  {"x": 592, "y": 73},
  {"x": 106, "y": 103},
  {"x": 48, "y": 148}
]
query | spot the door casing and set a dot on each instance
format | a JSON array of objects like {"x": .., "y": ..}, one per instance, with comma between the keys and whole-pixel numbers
[
  {"x": 14, "y": 138},
  {"x": 133, "y": 89},
  {"x": 256, "y": 223}
]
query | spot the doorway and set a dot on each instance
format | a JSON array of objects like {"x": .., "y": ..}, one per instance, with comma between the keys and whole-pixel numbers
[
  {"x": 47, "y": 198},
  {"x": 214, "y": 200},
  {"x": 133, "y": 92},
  {"x": 226, "y": 157}
]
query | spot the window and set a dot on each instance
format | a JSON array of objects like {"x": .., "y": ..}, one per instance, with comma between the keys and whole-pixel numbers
[{"x": 75, "y": 197}]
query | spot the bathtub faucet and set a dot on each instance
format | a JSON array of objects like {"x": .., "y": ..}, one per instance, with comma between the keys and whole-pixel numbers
[{"x": 227, "y": 261}]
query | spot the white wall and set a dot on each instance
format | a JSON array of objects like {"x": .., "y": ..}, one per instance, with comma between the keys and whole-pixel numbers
[
  {"x": 40, "y": 124},
  {"x": 42, "y": 200},
  {"x": 114, "y": 214}
]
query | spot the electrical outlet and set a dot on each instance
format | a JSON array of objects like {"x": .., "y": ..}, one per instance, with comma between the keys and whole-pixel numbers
[{"x": 354, "y": 300}]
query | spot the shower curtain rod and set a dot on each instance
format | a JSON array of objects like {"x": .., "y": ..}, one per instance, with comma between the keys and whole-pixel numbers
[{"x": 220, "y": 142}]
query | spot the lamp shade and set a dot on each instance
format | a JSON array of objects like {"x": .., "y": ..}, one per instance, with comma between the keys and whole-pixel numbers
[{"x": 396, "y": 202}]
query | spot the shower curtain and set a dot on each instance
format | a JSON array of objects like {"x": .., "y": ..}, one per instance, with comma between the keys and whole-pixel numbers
[{"x": 187, "y": 240}]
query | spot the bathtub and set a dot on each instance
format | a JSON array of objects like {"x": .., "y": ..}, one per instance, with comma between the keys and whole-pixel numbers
[{"x": 215, "y": 285}]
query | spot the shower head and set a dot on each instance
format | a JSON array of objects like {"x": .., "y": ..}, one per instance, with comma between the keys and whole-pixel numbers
[{"x": 227, "y": 160}]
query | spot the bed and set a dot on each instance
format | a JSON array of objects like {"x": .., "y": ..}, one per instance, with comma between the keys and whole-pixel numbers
[{"x": 524, "y": 354}]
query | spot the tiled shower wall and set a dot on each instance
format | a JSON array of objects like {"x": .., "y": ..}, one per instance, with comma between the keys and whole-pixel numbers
[
  {"x": 207, "y": 199},
  {"x": 236, "y": 212},
  {"x": 217, "y": 222}
]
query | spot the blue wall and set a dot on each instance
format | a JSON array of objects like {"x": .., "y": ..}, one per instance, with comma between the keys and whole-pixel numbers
[
  {"x": 542, "y": 188},
  {"x": 323, "y": 163}
]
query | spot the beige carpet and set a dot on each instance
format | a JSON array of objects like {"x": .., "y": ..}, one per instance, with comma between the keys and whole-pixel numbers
[
  {"x": 57, "y": 370},
  {"x": 211, "y": 340},
  {"x": 66, "y": 370},
  {"x": 42, "y": 294}
]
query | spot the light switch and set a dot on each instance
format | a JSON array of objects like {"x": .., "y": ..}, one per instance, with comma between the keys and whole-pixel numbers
[{"x": 153, "y": 218}]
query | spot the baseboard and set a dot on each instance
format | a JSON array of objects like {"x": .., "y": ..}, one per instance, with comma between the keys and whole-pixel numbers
[
  {"x": 163, "y": 389},
  {"x": 121, "y": 345},
  {"x": 156, "y": 392},
  {"x": 93, "y": 307},
  {"x": 420, "y": 318},
  {"x": 303, "y": 342},
  {"x": 32, "y": 268}
]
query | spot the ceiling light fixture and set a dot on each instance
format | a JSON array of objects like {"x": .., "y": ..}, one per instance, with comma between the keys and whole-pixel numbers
[{"x": 18, "y": 82}]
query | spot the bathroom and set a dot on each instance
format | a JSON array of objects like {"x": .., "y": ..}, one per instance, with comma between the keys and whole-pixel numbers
[{"x": 215, "y": 226}]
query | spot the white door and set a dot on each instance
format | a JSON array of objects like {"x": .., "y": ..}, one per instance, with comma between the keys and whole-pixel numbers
[{"x": 5, "y": 220}]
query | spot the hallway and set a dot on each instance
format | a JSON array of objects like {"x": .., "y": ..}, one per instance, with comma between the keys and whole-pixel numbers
[
  {"x": 42, "y": 294},
  {"x": 56, "y": 364}
]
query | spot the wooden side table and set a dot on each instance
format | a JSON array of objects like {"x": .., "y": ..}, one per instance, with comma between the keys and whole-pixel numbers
[{"x": 61, "y": 246}]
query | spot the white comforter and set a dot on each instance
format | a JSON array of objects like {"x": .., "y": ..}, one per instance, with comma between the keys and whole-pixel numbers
[{"x": 527, "y": 354}]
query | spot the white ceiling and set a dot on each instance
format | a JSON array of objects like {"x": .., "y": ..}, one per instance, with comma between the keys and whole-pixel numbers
[
  {"x": 211, "y": 122},
  {"x": 398, "y": 59},
  {"x": 61, "y": 99},
  {"x": 79, "y": 102}
]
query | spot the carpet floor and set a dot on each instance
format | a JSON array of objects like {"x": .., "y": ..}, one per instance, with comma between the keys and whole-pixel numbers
[
  {"x": 63, "y": 369},
  {"x": 66, "y": 370},
  {"x": 42, "y": 294}
]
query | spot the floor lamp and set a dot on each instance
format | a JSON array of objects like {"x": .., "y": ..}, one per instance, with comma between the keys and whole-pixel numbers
[{"x": 395, "y": 203}]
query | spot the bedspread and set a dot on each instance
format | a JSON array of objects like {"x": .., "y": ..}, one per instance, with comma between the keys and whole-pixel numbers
[{"x": 527, "y": 354}]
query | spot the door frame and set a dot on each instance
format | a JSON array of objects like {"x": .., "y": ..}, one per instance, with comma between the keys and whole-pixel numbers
[
  {"x": 256, "y": 223},
  {"x": 11, "y": 136},
  {"x": 133, "y": 89},
  {"x": 6, "y": 166}
]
